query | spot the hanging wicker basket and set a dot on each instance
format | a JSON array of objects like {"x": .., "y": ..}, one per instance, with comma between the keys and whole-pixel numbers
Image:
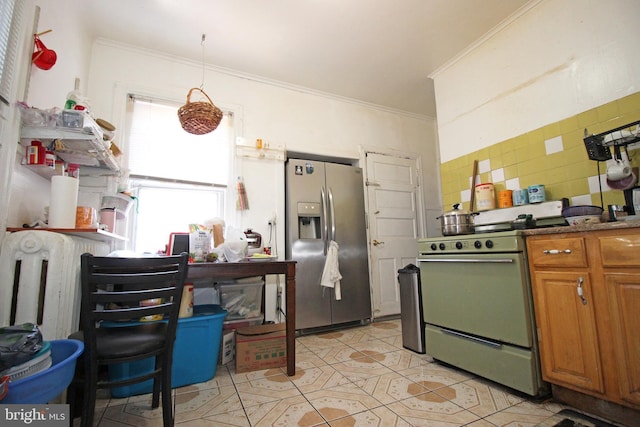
[{"x": 200, "y": 117}]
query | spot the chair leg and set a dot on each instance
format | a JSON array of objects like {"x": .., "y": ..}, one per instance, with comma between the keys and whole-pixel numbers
[
  {"x": 74, "y": 399},
  {"x": 155, "y": 400},
  {"x": 89, "y": 401},
  {"x": 167, "y": 406}
]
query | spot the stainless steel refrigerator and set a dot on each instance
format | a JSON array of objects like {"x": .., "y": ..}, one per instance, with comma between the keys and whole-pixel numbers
[{"x": 325, "y": 202}]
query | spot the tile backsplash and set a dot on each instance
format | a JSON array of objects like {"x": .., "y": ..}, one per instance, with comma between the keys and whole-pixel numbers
[{"x": 553, "y": 155}]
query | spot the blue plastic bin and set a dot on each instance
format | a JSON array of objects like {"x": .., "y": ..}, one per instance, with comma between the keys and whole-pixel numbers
[
  {"x": 195, "y": 353},
  {"x": 44, "y": 386}
]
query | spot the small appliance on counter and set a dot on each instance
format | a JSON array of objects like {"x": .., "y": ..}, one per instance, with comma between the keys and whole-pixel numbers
[{"x": 254, "y": 242}]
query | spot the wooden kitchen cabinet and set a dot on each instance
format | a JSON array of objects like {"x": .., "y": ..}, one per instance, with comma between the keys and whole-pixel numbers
[
  {"x": 586, "y": 291},
  {"x": 621, "y": 269}
]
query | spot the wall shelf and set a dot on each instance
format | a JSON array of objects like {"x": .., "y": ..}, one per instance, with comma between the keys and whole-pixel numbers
[
  {"x": 87, "y": 233},
  {"x": 84, "y": 146},
  {"x": 251, "y": 152}
]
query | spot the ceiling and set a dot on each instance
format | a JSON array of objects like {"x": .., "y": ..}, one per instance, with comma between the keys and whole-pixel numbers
[{"x": 376, "y": 51}]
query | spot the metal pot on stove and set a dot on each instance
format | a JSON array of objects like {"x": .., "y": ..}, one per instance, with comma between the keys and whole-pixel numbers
[{"x": 457, "y": 221}]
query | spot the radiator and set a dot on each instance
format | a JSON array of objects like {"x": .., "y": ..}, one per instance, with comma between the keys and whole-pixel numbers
[{"x": 40, "y": 280}]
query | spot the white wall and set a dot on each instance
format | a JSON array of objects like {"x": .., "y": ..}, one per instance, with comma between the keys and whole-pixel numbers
[
  {"x": 560, "y": 58},
  {"x": 302, "y": 120},
  {"x": 281, "y": 114},
  {"x": 29, "y": 193}
]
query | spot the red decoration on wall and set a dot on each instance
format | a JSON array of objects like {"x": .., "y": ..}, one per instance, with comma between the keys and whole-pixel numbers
[{"x": 43, "y": 57}]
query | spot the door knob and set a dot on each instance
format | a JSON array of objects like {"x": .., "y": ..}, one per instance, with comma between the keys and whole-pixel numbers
[{"x": 376, "y": 243}]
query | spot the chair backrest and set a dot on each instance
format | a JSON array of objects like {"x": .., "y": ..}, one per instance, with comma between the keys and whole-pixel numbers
[{"x": 120, "y": 289}]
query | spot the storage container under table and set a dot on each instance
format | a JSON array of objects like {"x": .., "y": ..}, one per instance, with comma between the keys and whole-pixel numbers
[{"x": 195, "y": 353}]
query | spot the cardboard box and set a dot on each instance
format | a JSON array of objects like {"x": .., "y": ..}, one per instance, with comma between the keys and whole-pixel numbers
[
  {"x": 261, "y": 347},
  {"x": 227, "y": 348}
]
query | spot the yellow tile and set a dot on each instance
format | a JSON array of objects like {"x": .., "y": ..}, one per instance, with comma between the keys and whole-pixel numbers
[
  {"x": 527, "y": 168},
  {"x": 568, "y": 125},
  {"x": 617, "y": 122},
  {"x": 521, "y": 141},
  {"x": 564, "y": 174},
  {"x": 509, "y": 159},
  {"x": 557, "y": 161},
  {"x": 511, "y": 172},
  {"x": 577, "y": 187},
  {"x": 507, "y": 146},
  {"x": 609, "y": 198},
  {"x": 495, "y": 150},
  {"x": 496, "y": 162},
  {"x": 629, "y": 104},
  {"x": 573, "y": 139},
  {"x": 588, "y": 119},
  {"x": 559, "y": 191},
  {"x": 608, "y": 111},
  {"x": 536, "y": 137},
  {"x": 551, "y": 131}
]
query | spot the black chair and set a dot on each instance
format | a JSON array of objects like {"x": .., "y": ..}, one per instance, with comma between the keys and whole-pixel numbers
[{"x": 115, "y": 294}]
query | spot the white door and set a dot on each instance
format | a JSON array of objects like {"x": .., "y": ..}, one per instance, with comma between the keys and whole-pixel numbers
[{"x": 393, "y": 208}]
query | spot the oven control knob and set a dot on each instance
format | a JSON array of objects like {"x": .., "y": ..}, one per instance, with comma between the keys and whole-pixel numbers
[
  {"x": 488, "y": 244},
  {"x": 442, "y": 246},
  {"x": 477, "y": 244},
  {"x": 434, "y": 246},
  {"x": 458, "y": 245}
]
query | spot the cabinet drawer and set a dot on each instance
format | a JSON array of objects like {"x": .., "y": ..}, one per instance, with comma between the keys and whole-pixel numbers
[
  {"x": 565, "y": 252},
  {"x": 620, "y": 251}
]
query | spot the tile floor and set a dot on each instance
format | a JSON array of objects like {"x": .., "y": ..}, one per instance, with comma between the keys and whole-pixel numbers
[{"x": 360, "y": 376}]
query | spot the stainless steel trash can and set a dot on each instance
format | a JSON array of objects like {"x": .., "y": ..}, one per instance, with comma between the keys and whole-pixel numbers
[{"x": 411, "y": 308}]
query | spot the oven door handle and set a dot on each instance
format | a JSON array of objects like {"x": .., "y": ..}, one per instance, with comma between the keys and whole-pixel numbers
[
  {"x": 472, "y": 338},
  {"x": 476, "y": 260}
]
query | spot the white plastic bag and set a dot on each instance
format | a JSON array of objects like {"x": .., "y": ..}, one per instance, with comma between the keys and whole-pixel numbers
[{"x": 235, "y": 245}]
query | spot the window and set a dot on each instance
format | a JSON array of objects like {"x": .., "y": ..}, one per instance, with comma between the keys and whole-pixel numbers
[
  {"x": 178, "y": 178},
  {"x": 10, "y": 14}
]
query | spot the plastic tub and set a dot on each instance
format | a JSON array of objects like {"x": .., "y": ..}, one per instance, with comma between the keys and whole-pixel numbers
[
  {"x": 46, "y": 385},
  {"x": 195, "y": 354},
  {"x": 241, "y": 300}
]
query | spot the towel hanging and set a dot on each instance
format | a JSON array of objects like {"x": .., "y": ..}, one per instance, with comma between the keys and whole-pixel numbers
[{"x": 331, "y": 273}]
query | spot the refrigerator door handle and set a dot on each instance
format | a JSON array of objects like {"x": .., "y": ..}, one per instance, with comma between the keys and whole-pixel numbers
[
  {"x": 333, "y": 217},
  {"x": 325, "y": 237}
]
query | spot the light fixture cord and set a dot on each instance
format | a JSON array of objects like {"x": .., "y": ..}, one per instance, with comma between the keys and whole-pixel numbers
[{"x": 202, "y": 44}]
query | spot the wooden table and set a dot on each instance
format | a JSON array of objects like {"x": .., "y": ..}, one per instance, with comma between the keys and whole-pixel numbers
[{"x": 237, "y": 270}]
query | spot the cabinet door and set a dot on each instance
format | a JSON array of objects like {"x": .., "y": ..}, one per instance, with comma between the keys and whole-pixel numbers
[
  {"x": 624, "y": 304},
  {"x": 569, "y": 349}
]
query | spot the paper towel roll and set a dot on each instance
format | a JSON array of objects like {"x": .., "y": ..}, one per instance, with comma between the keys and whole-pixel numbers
[{"x": 64, "y": 201}]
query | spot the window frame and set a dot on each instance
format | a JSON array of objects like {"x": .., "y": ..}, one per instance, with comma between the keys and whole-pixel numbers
[{"x": 139, "y": 181}]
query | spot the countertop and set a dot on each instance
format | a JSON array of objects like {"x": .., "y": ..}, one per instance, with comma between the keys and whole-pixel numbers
[{"x": 615, "y": 225}]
